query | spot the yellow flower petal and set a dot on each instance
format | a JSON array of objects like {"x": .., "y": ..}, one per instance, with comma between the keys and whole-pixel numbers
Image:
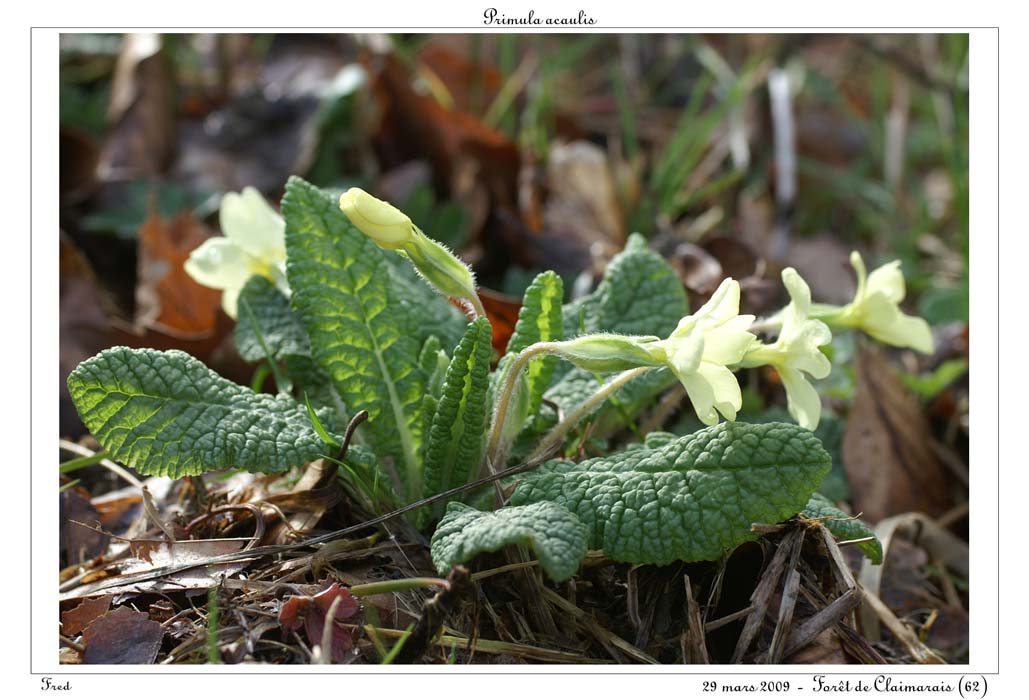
[
  {"x": 219, "y": 263},
  {"x": 728, "y": 343},
  {"x": 802, "y": 400},
  {"x": 713, "y": 388},
  {"x": 250, "y": 222},
  {"x": 888, "y": 324},
  {"x": 723, "y": 305},
  {"x": 685, "y": 353},
  {"x": 887, "y": 280}
]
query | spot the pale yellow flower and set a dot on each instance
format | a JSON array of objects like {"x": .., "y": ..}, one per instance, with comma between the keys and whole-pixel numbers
[
  {"x": 876, "y": 308},
  {"x": 253, "y": 243},
  {"x": 796, "y": 352},
  {"x": 702, "y": 346}
]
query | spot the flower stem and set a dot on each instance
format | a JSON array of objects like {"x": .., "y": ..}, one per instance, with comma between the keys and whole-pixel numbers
[
  {"x": 363, "y": 590},
  {"x": 495, "y": 449},
  {"x": 557, "y": 434}
]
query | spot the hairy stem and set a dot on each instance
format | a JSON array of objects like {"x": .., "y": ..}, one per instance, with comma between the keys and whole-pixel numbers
[
  {"x": 495, "y": 449},
  {"x": 557, "y": 434}
]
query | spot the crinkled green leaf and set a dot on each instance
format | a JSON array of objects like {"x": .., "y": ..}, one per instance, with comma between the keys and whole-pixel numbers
[
  {"x": 641, "y": 294},
  {"x": 835, "y": 485},
  {"x": 843, "y": 526},
  {"x": 459, "y": 426},
  {"x": 267, "y": 323},
  {"x": 167, "y": 414},
  {"x": 539, "y": 319},
  {"x": 434, "y": 362},
  {"x": 556, "y": 535},
  {"x": 693, "y": 499},
  {"x": 364, "y": 339}
]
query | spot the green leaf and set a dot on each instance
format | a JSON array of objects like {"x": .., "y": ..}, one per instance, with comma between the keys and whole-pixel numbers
[
  {"x": 434, "y": 362},
  {"x": 843, "y": 526},
  {"x": 693, "y": 499},
  {"x": 641, "y": 294},
  {"x": 459, "y": 425},
  {"x": 365, "y": 341},
  {"x": 167, "y": 414},
  {"x": 539, "y": 320},
  {"x": 265, "y": 316},
  {"x": 829, "y": 432},
  {"x": 555, "y": 534},
  {"x": 434, "y": 314}
]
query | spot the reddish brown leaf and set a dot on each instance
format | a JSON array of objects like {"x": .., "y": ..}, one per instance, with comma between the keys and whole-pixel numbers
[
  {"x": 502, "y": 311},
  {"x": 313, "y": 611},
  {"x": 78, "y": 618},
  {"x": 890, "y": 463},
  {"x": 167, "y": 297},
  {"x": 122, "y": 636}
]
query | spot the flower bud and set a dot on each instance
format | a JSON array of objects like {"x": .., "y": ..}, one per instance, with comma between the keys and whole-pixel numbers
[
  {"x": 608, "y": 352},
  {"x": 379, "y": 220}
]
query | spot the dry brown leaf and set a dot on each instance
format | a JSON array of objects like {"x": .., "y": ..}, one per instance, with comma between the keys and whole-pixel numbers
[
  {"x": 122, "y": 636},
  {"x": 583, "y": 199},
  {"x": 78, "y": 618},
  {"x": 887, "y": 454},
  {"x": 79, "y": 542},
  {"x": 166, "y": 296},
  {"x": 155, "y": 554}
]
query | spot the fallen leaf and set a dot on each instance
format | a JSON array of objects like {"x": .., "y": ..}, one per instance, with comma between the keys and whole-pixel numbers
[
  {"x": 79, "y": 542},
  {"x": 83, "y": 324},
  {"x": 122, "y": 636},
  {"x": 583, "y": 199},
  {"x": 78, "y": 618},
  {"x": 166, "y": 296},
  {"x": 153, "y": 554},
  {"x": 502, "y": 311},
  {"x": 890, "y": 464},
  {"x": 700, "y": 271},
  {"x": 312, "y": 612}
]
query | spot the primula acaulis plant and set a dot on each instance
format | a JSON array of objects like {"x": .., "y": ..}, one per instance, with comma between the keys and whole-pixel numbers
[{"x": 335, "y": 294}]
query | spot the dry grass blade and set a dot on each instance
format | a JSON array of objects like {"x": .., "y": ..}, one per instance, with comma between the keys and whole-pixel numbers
[
  {"x": 695, "y": 642},
  {"x": 904, "y": 634},
  {"x": 943, "y": 547},
  {"x": 610, "y": 637},
  {"x": 789, "y": 548},
  {"x": 782, "y": 626},
  {"x": 823, "y": 619}
]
